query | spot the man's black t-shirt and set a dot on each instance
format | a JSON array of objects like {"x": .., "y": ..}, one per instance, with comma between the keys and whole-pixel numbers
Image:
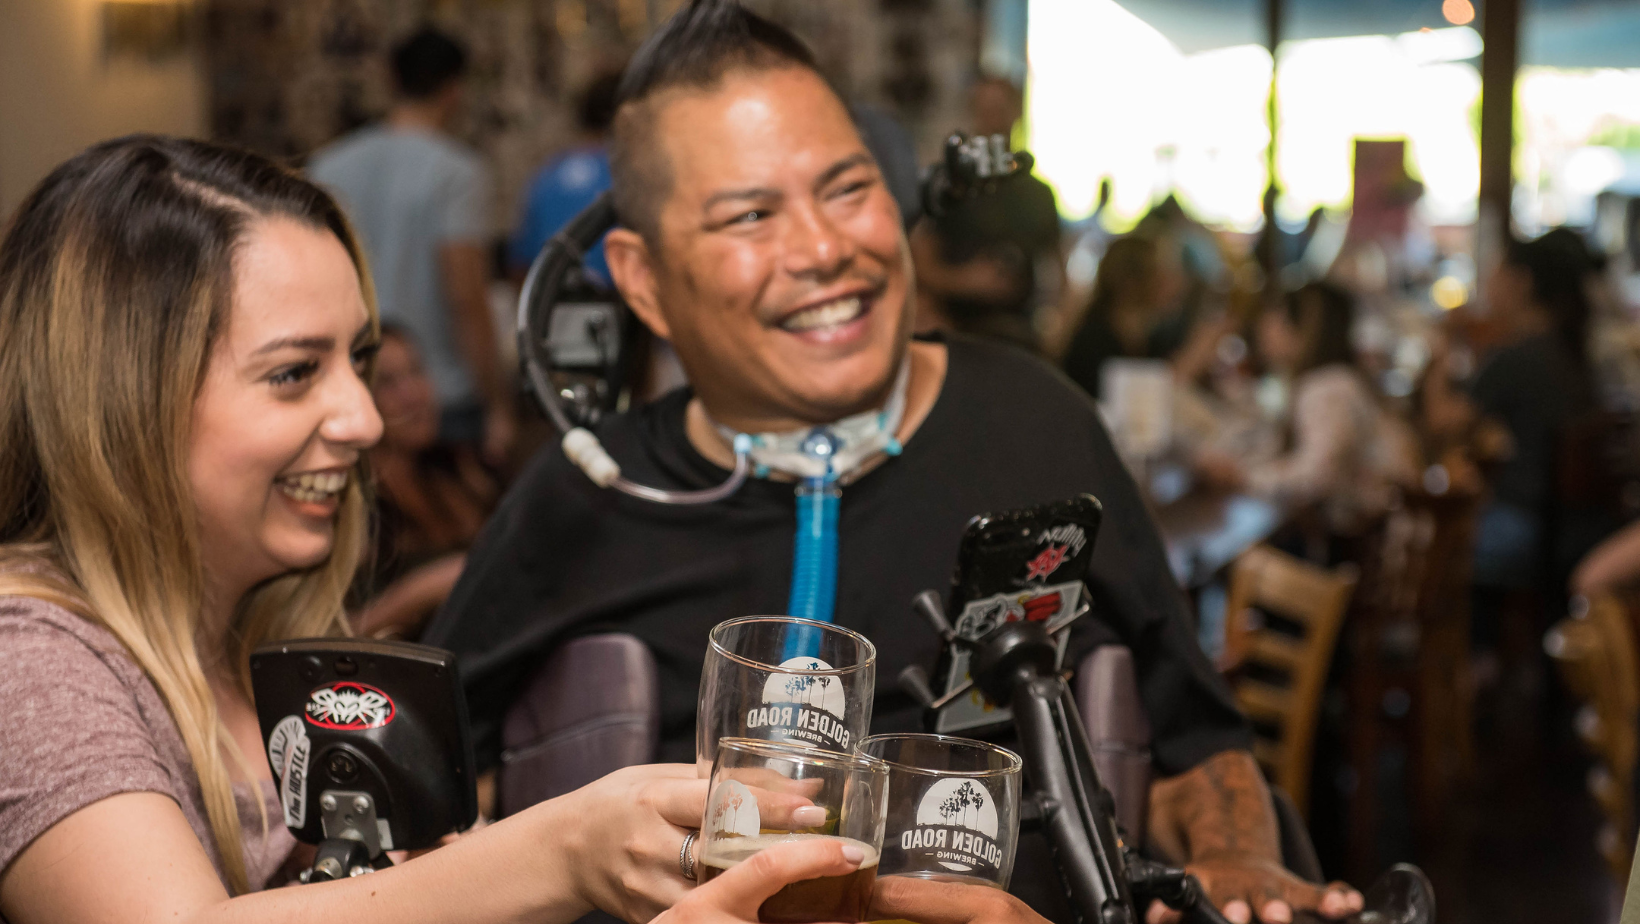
[{"x": 563, "y": 558}]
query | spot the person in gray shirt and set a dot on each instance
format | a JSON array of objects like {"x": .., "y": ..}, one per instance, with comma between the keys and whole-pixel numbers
[{"x": 419, "y": 200}]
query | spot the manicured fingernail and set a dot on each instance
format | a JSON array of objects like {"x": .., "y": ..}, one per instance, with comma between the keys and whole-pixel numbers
[
  {"x": 808, "y": 816},
  {"x": 1357, "y": 901},
  {"x": 1277, "y": 913},
  {"x": 1238, "y": 912},
  {"x": 853, "y": 854}
]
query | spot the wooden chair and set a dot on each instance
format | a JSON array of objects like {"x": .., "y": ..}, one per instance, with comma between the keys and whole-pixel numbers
[
  {"x": 1595, "y": 650},
  {"x": 1281, "y": 624}
]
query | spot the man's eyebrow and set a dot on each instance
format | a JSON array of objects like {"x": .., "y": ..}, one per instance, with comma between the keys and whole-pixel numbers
[
  {"x": 730, "y": 195},
  {"x": 841, "y": 167},
  {"x": 317, "y": 344}
]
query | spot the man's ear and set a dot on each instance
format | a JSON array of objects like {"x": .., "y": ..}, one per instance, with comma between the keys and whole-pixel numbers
[{"x": 633, "y": 267}]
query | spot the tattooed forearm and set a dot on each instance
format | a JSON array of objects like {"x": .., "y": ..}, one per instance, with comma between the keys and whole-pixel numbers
[{"x": 1219, "y": 809}]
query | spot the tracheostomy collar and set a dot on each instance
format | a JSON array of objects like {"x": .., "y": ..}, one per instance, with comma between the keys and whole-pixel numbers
[
  {"x": 822, "y": 459},
  {"x": 832, "y": 452}
]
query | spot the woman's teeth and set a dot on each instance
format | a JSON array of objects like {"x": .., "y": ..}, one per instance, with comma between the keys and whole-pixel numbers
[
  {"x": 831, "y": 314},
  {"x": 313, "y": 487}
]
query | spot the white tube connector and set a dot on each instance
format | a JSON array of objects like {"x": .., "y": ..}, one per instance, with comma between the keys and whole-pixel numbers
[{"x": 589, "y": 456}]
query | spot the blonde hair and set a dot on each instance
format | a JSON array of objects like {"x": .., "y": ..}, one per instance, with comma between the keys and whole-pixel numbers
[{"x": 115, "y": 280}]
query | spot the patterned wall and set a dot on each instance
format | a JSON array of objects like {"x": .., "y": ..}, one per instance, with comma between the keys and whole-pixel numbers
[{"x": 286, "y": 76}]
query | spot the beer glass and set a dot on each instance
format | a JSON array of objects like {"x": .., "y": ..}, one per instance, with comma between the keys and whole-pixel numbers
[
  {"x": 953, "y": 808},
  {"x": 778, "y": 678},
  {"x": 763, "y": 793}
]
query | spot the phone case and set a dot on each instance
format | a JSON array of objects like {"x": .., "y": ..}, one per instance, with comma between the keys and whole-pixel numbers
[{"x": 1024, "y": 564}]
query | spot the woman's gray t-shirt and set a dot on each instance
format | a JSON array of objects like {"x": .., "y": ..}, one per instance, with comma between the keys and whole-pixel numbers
[{"x": 80, "y": 722}]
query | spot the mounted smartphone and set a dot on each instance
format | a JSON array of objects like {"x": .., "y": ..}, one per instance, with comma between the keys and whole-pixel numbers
[{"x": 1024, "y": 564}]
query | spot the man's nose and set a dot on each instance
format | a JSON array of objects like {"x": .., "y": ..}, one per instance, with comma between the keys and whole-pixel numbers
[
  {"x": 815, "y": 245},
  {"x": 351, "y": 419}
]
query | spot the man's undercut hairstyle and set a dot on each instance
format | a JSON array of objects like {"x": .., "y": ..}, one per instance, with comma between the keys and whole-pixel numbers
[
  {"x": 694, "y": 49},
  {"x": 427, "y": 62}
]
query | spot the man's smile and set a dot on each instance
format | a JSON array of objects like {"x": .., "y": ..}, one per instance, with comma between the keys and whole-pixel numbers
[{"x": 832, "y": 318}]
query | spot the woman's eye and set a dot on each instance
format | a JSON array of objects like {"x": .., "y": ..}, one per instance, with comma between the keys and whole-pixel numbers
[
  {"x": 293, "y": 374},
  {"x": 363, "y": 356}
]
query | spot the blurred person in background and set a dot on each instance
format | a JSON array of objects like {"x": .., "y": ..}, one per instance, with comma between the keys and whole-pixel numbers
[
  {"x": 1346, "y": 452},
  {"x": 432, "y": 497},
  {"x": 1522, "y": 396},
  {"x": 420, "y": 201},
  {"x": 570, "y": 182},
  {"x": 1139, "y": 287},
  {"x": 979, "y": 266}
]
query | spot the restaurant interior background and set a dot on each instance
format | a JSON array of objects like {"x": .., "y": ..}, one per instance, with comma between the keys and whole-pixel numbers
[{"x": 1516, "y": 798}]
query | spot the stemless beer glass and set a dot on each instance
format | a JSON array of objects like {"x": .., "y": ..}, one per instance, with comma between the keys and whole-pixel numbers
[
  {"x": 778, "y": 678},
  {"x": 953, "y": 808},
  {"x": 763, "y": 793}
]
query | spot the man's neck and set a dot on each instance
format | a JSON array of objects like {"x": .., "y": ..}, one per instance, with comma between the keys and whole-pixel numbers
[
  {"x": 417, "y": 116},
  {"x": 928, "y": 367}
]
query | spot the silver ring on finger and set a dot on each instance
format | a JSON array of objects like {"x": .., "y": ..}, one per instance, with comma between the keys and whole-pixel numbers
[{"x": 686, "y": 857}]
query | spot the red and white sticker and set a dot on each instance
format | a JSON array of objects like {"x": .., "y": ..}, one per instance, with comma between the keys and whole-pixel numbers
[{"x": 349, "y": 706}]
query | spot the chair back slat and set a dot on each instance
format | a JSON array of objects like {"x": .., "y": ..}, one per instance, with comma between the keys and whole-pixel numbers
[{"x": 1278, "y": 671}]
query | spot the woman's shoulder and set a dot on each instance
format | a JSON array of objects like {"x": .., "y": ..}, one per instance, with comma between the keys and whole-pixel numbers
[
  {"x": 1335, "y": 382},
  {"x": 26, "y": 615},
  {"x": 45, "y": 638}
]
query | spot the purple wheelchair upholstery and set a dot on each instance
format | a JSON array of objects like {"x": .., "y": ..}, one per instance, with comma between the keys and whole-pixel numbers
[{"x": 594, "y": 707}]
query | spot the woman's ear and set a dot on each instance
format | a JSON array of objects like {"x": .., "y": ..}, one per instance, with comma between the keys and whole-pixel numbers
[{"x": 632, "y": 265}]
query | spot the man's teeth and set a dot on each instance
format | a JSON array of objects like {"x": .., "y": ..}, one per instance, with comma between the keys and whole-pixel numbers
[
  {"x": 313, "y": 486},
  {"x": 831, "y": 314}
]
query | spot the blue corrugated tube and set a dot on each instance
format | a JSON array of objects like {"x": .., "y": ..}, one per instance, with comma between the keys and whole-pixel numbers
[{"x": 814, "y": 561}]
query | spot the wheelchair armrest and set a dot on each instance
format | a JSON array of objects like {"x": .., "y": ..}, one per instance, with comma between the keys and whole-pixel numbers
[
  {"x": 592, "y": 708},
  {"x": 1107, "y": 693}
]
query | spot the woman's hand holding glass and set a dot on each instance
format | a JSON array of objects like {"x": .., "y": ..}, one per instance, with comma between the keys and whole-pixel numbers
[{"x": 622, "y": 835}]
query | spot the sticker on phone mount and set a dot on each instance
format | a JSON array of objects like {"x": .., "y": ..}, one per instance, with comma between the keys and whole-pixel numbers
[
  {"x": 803, "y": 707},
  {"x": 1054, "y": 603},
  {"x": 284, "y": 735},
  {"x": 734, "y": 811},
  {"x": 349, "y": 706},
  {"x": 293, "y": 785},
  {"x": 955, "y": 827}
]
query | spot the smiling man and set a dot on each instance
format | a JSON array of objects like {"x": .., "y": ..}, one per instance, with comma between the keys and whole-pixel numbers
[{"x": 759, "y": 238}]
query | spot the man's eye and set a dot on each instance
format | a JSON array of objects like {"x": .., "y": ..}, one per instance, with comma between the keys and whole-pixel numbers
[
  {"x": 290, "y": 375},
  {"x": 748, "y": 217}
]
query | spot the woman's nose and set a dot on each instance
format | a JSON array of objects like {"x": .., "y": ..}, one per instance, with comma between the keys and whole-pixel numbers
[{"x": 352, "y": 419}]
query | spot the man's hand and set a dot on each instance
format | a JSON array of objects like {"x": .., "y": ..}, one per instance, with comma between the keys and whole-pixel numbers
[
  {"x": 1219, "y": 821},
  {"x": 927, "y": 901},
  {"x": 1237, "y": 886}
]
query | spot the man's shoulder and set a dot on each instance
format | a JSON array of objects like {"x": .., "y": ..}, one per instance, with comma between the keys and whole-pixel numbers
[
  {"x": 349, "y": 149},
  {"x": 999, "y": 381},
  {"x": 376, "y": 147}
]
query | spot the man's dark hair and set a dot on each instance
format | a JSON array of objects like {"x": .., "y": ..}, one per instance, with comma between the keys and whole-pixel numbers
[
  {"x": 694, "y": 49},
  {"x": 426, "y": 63},
  {"x": 595, "y": 109}
]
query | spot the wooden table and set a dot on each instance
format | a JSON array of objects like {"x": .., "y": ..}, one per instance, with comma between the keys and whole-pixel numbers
[{"x": 1205, "y": 531}]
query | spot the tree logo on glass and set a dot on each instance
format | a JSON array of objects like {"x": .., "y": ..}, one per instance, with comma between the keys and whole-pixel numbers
[
  {"x": 734, "y": 811},
  {"x": 803, "y": 706},
  {"x": 955, "y": 828}
]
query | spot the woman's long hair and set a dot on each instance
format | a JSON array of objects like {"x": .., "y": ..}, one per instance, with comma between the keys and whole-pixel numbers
[
  {"x": 115, "y": 281},
  {"x": 1560, "y": 266},
  {"x": 1324, "y": 316}
]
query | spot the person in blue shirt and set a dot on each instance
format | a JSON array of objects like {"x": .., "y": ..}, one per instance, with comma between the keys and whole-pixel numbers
[{"x": 570, "y": 183}]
